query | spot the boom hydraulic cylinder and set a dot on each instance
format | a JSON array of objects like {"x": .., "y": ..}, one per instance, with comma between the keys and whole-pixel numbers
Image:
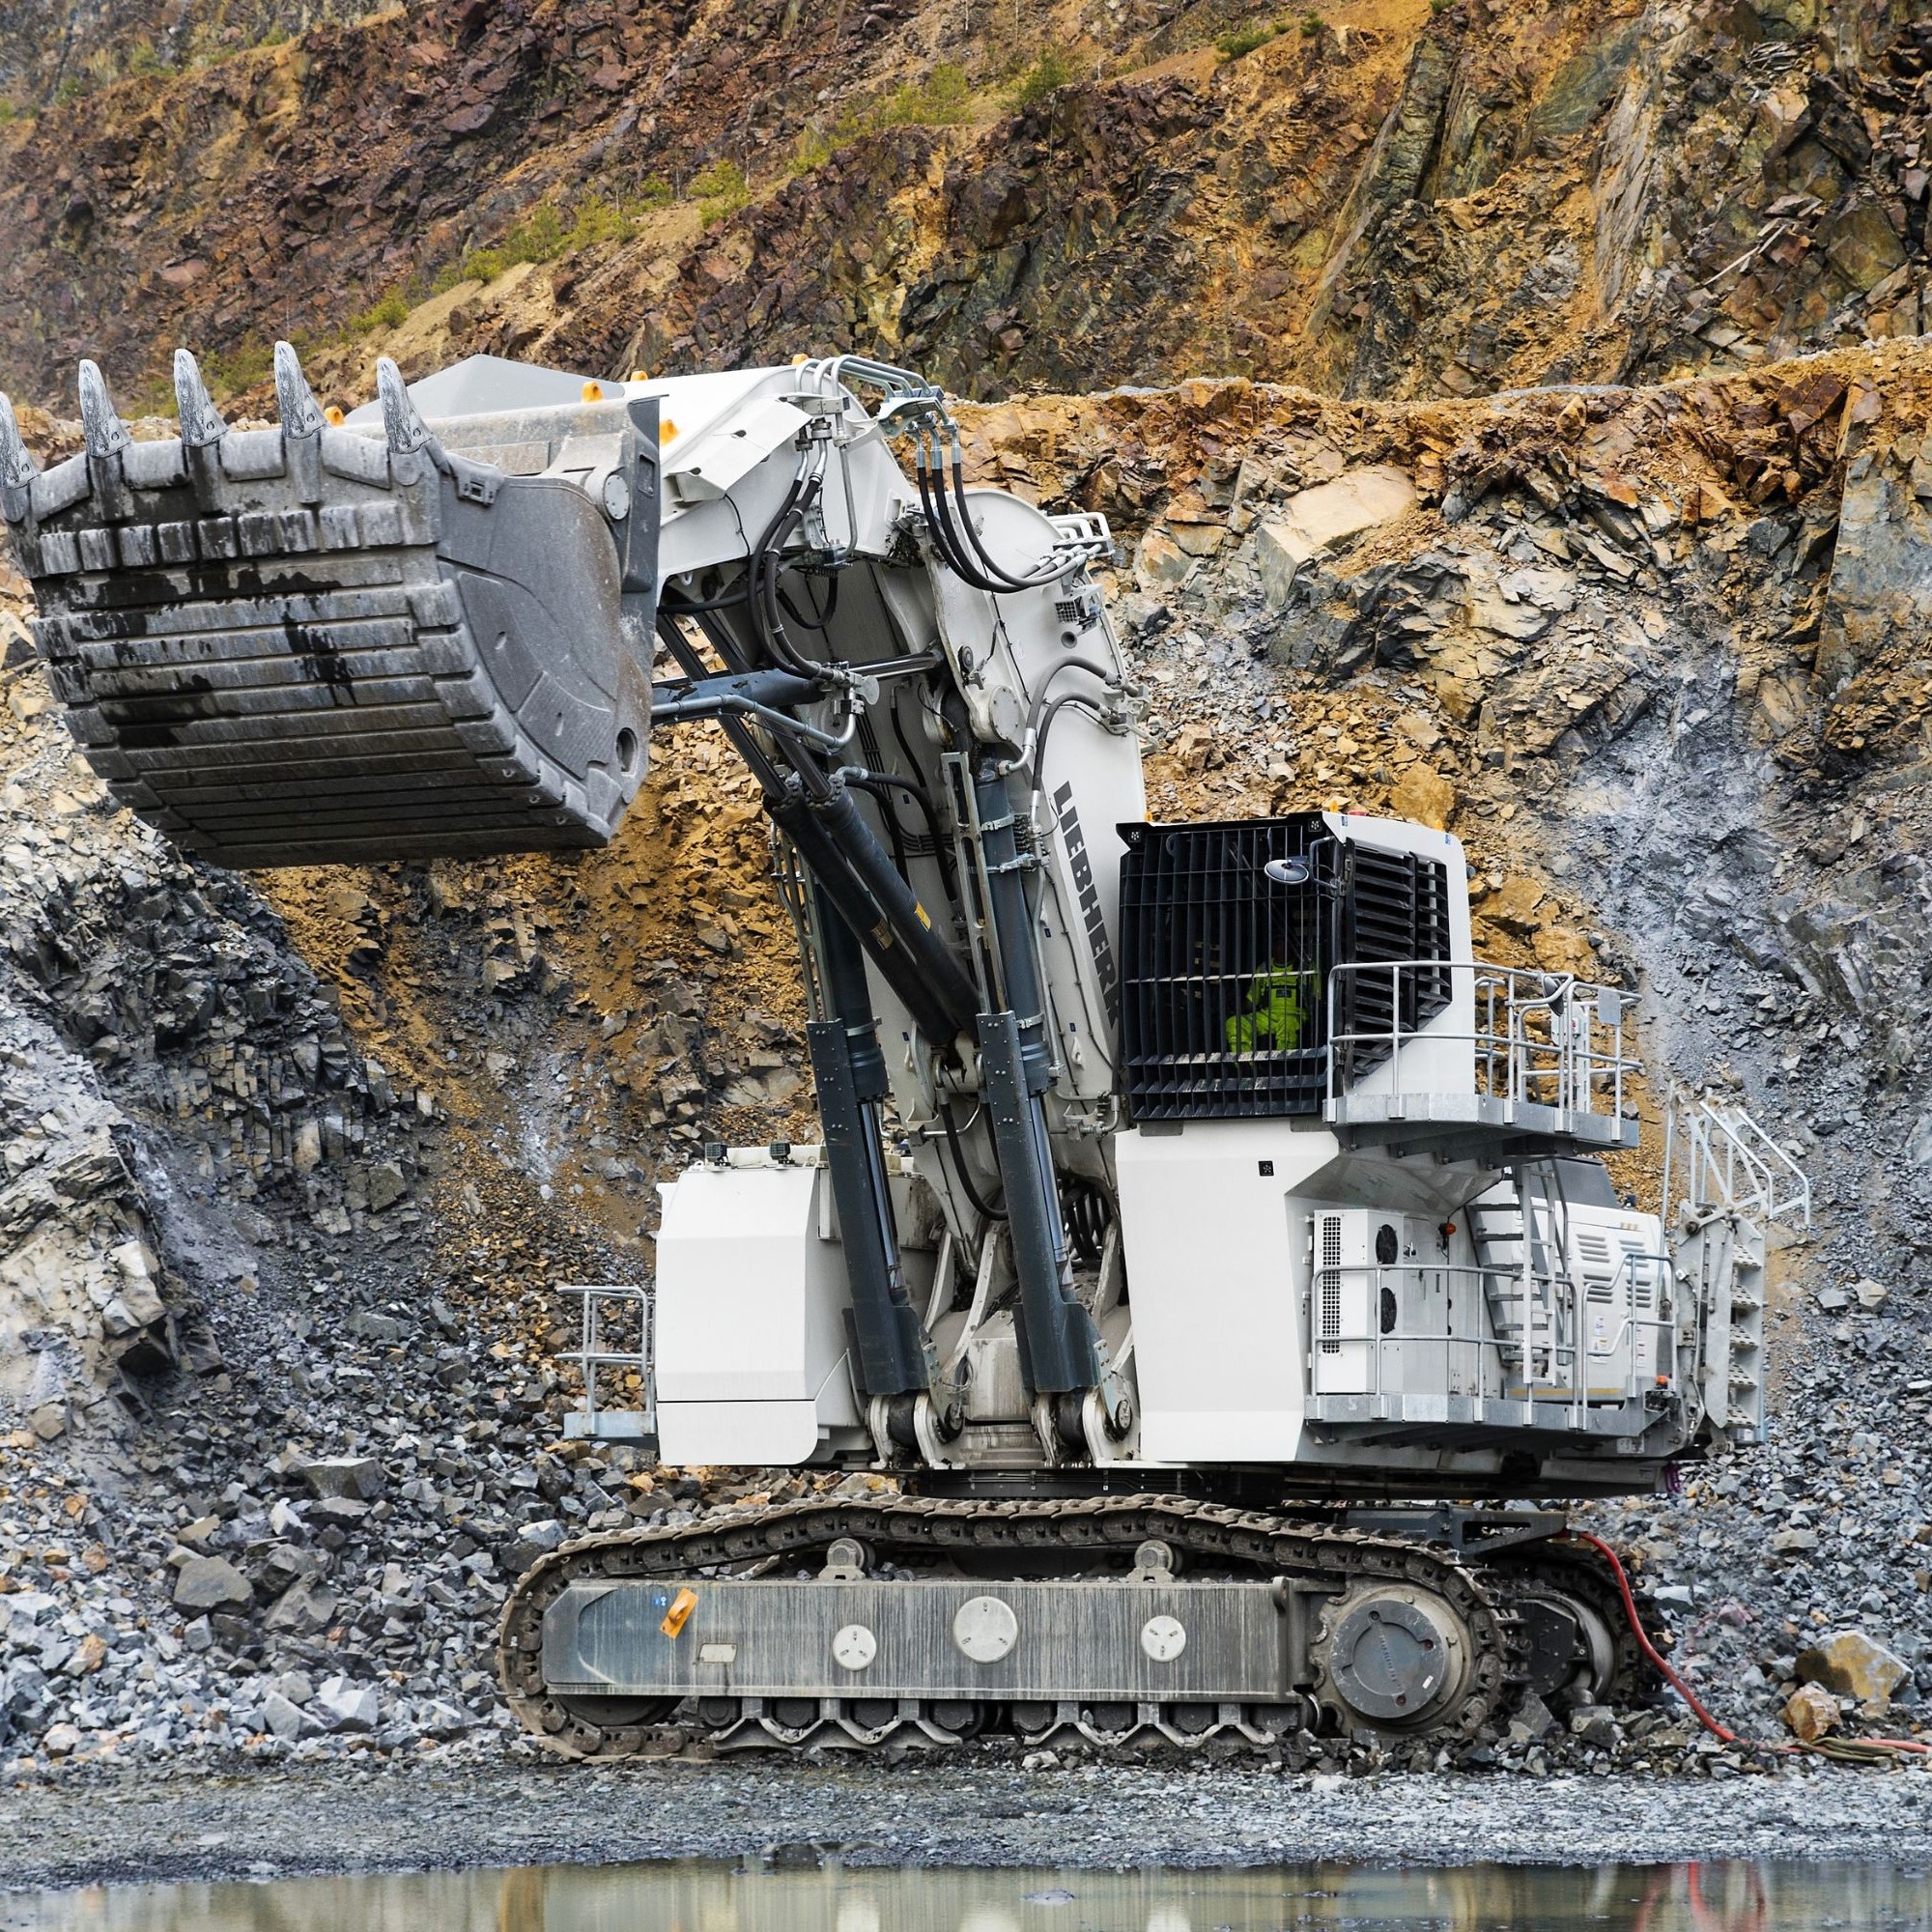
[{"x": 889, "y": 1345}]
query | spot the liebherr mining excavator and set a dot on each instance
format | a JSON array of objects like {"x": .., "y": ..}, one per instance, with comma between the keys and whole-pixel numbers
[{"x": 1220, "y": 1257}]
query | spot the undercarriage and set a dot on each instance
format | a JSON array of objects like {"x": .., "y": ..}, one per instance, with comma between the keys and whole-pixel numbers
[{"x": 1116, "y": 1620}]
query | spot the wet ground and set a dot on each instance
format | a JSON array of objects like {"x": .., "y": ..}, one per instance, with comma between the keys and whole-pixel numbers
[
  {"x": 1720, "y": 1896},
  {"x": 103, "y": 1827}
]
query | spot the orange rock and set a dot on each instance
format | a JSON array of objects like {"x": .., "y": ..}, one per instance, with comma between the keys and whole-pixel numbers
[{"x": 1810, "y": 1712}]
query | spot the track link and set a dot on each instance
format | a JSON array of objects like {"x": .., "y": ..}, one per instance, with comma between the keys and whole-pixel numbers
[{"x": 916, "y": 1529}]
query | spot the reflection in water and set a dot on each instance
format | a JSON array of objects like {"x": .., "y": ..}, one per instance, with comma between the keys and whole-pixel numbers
[{"x": 694, "y": 1897}]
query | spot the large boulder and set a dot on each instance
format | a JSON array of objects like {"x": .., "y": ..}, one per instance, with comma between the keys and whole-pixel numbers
[
  {"x": 1852, "y": 1664},
  {"x": 211, "y": 1583}
]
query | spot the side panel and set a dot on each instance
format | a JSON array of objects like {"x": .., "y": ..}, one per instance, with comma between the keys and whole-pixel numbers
[
  {"x": 743, "y": 1435},
  {"x": 750, "y": 1317},
  {"x": 1218, "y": 1343}
]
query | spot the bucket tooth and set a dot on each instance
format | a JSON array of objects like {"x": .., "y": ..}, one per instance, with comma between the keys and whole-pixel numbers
[
  {"x": 404, "y": 428},
  {"x": 18, "y": 468},
  {"x": 300, "y": 413},
  {"x": 301, "y": 425},
  {"x": 101, "y": 425},
  {"x": 201, "y": 423}
]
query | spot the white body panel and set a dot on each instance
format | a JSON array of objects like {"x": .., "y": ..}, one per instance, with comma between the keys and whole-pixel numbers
[
  {"x": 1210, "y": 1254},
  {"x": 750, "y": 1323}
]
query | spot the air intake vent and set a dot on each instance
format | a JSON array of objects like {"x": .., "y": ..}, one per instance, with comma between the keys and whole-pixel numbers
[{"x": 1395, "y": 908}]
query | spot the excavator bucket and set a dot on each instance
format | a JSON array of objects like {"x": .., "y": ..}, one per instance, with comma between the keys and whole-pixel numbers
[{"x": 392, "y": 637}]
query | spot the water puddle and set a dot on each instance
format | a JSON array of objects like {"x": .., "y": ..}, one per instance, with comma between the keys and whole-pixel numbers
[{"x": 698, "y": 1897}]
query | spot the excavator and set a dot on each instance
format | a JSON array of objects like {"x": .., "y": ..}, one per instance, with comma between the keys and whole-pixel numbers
[{"x": 1208, "y": 1266}]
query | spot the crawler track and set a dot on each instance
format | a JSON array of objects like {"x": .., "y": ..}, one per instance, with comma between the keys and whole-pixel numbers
[{"x": 1037, "y": 1536}]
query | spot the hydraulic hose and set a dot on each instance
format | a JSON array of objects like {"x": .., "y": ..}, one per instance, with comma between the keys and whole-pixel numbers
[
  {"x": 959, "y": 1161},
  {"x": 1039, "y": 580},
  {"x": 765, "y": 616}
]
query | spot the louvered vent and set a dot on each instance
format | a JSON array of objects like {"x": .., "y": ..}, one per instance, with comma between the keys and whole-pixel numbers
[
  {"x": 1395, "y": 908},
  {"x": 1329, "y": 1288}
]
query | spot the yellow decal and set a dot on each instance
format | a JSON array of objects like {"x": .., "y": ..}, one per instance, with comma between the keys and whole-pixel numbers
[{"x": 679, "y": 1614}]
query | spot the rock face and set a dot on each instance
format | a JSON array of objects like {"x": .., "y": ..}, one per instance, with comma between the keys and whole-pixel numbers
[{"x": 1426, "y": 205}]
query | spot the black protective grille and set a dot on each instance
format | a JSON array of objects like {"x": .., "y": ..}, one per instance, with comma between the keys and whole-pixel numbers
[
  {"x": 1224, "y": 1002},
  {"x": 1395, "y": 907}
]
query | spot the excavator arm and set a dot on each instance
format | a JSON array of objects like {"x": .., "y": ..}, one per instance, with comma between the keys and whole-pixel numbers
[{"x": 431, "y": 627}]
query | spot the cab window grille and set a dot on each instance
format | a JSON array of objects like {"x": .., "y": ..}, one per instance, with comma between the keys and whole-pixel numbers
[
  {"x": 1224, "y": 1001},
  {"x": 1224, "y": 1009}
]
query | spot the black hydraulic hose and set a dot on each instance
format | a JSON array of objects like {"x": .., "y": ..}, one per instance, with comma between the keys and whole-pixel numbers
[
  {"x": 965, "y": 1173},
  {"x": 939, "y": 521},
  {"x": 764, "y": 612},
  {"x": 1077, "y": 698},
  {"x": 876, "y": 782},
  {"x": 692, "y": 607},
  {"x": 820, "y": 623},
  {"x": 1037, "y": 581},
  {"x": 1100, "y": 670},
  {"x": 942, "y": 850}
]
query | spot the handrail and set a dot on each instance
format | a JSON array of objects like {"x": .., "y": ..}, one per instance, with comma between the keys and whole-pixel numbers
[
  {"x": 1536, "y": 1037},
  {"x": 592, "y": 1354},
  {"x": 1723, "y": 1140}
]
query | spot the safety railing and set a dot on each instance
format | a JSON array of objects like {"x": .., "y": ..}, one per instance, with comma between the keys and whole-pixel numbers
[
  {"x": 1558, "y": 1360},
  {"x": 614, "y": 1323},
  {"x": 1727, "y": 1161},
  {"x": 1546, "y": 1039}
]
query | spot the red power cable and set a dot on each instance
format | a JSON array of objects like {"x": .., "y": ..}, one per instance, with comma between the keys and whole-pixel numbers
[{"x": 1689, "y": 1696}]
